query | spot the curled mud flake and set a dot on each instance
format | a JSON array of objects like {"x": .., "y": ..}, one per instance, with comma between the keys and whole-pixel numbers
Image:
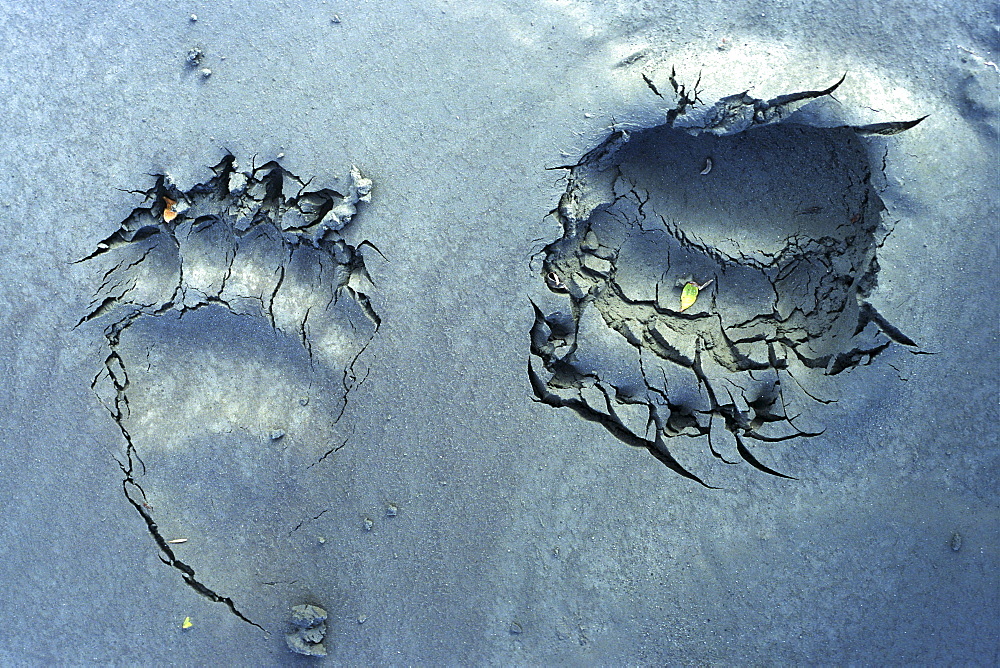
[
  {"x": 792, "y": 226},
  {"x": 308, "y": 630}
]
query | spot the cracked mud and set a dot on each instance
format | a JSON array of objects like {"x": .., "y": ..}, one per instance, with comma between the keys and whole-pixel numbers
[
  {"x": 246, "y": 276},
  {"x": 774, "y": 228}
]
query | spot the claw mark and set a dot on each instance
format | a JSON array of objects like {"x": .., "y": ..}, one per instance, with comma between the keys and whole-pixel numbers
[
  {"x": 649, "y": 83},
  {"x": 797, "y": 279}
]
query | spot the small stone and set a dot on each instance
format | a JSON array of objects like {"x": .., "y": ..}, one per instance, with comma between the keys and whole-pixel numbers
[
  {"x": 362, "y": 619},
  {"x": 956, "y": 542},
  {"x": 205, "y": 72},
  {"x": 277, "y": 434},
  {"x": 279, "y": 157},
  {"x": 194, "y": 18},
  {"x": 335, "y": 19},
  {"x": 195, "y": 56},
  {"x": 369, "y": 524},
  {"x": 391, "y": 510},
  {"x": 516, "y": 629},
  {"x": 322, "y": 541}
]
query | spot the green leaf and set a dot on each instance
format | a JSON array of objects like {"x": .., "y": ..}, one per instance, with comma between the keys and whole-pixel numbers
[{"x": 689, "y": 295}]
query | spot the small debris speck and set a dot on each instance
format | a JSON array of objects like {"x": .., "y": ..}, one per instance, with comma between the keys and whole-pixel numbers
[
  {"x": 369, "y": 524},
  {"x": 194, "y": 18},
  {"x": 516, "y": 629},
  {"x": 205, "y": 72},
  {"x": 277, "y": 434},
  {"x": 195, "y": 56},
  {"x": 362, "y": 619},
  {"x": 391, "y": 510},
  {"x": 335, "y": 19},
  {"x": 304, "y": 401},
  {"x": 956, "y": 542}
]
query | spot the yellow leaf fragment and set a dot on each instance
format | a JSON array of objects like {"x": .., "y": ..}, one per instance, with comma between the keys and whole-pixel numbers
[
  {"x": 187, "y": 623},
  {"x": 689, "y": 295}
]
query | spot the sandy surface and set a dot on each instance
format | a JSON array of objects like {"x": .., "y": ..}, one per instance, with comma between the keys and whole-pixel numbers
[{"x": 456, "y": 520}]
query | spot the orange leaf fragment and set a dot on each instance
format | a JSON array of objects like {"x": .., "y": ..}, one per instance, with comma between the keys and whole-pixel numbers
[{"x": 168, "y": 209}]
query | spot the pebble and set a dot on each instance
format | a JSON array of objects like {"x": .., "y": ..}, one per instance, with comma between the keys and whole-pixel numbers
[
  {"x": 391, "y": 510},
  {"x": 956, "y": 542},
  {"x": 369, "y": 524},
  {"x": 277, "y": 434}
]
